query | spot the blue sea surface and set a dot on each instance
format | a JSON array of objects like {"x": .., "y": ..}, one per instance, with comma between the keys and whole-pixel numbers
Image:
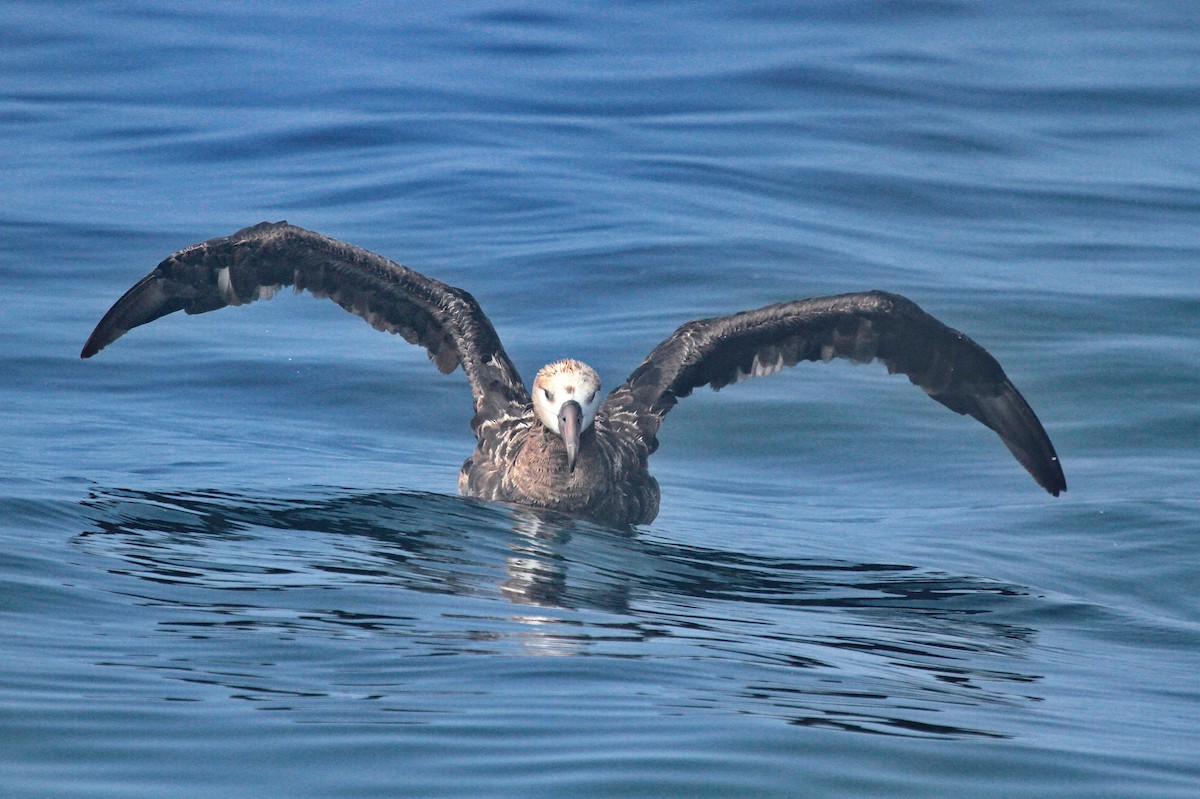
[{"x": 232, "y": 559}]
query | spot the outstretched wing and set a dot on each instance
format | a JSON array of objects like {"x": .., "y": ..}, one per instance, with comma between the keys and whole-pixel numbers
[
  {"x": 254, "y": 263},
  {"x": 950, "y": 367}
]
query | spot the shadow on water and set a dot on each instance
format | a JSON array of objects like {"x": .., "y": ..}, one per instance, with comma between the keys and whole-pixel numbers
[{"x": 869, "y": 647}]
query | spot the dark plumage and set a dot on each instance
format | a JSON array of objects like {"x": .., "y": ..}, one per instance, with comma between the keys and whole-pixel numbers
[{"x": 564, "y": 448}]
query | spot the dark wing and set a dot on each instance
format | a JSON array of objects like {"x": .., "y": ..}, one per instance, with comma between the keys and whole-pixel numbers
[
  {"x": 255, "y": 262},
  {"x": 950, "y": 367}
]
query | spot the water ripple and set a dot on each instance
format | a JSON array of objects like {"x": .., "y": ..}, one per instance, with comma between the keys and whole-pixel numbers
[{"x": 885, "y": 648}]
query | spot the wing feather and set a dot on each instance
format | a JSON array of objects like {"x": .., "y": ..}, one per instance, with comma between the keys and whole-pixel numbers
[
  {"x": 255, "y": 262},
  {"x": 862, "y": 327}
]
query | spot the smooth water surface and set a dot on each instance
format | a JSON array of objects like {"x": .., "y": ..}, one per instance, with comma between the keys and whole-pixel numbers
[{"x": 232, "y": 562}]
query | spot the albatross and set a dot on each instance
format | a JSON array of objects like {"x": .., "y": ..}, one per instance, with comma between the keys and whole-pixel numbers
[{"x": 566, "y": 447}]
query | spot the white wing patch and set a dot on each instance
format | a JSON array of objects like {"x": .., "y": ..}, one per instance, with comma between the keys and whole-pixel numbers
[
  {"x": 760, "y": 369},
  {"x": 225, "y": 287}
]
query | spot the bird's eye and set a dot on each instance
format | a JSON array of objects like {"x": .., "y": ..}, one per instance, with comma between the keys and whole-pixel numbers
[
  {"x": 591, "y": 398},
  {"x": 549, "y": 394}
]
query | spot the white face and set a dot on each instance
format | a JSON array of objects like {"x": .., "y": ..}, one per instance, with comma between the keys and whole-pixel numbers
[{"x": 563, "y": 381}]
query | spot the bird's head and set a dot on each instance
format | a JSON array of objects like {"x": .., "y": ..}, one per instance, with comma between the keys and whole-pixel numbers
[{"x": 566, "y": 395}]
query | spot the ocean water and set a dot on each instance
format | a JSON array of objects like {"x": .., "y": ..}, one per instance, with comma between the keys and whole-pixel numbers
[{"x": 232, "y": 559}]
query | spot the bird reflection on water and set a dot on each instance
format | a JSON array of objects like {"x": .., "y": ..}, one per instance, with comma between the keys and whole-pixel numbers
[{"x": 879, "y": 648}]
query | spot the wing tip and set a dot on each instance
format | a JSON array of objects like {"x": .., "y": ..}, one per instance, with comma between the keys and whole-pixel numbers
[
  {"x": 107, "y": 330},
  {"x": 92, "y": 346},
  {"x": 143, "y": 303},
  {"x": 1036, "y": 453},
  {"x": 101, "y": 337},
  {"x": 1053, "y": 479},
  {"x": 1008, "y": 413}
]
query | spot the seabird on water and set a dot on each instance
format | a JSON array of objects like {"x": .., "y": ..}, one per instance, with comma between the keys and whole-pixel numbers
[{"x": 566, "y": 447}]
